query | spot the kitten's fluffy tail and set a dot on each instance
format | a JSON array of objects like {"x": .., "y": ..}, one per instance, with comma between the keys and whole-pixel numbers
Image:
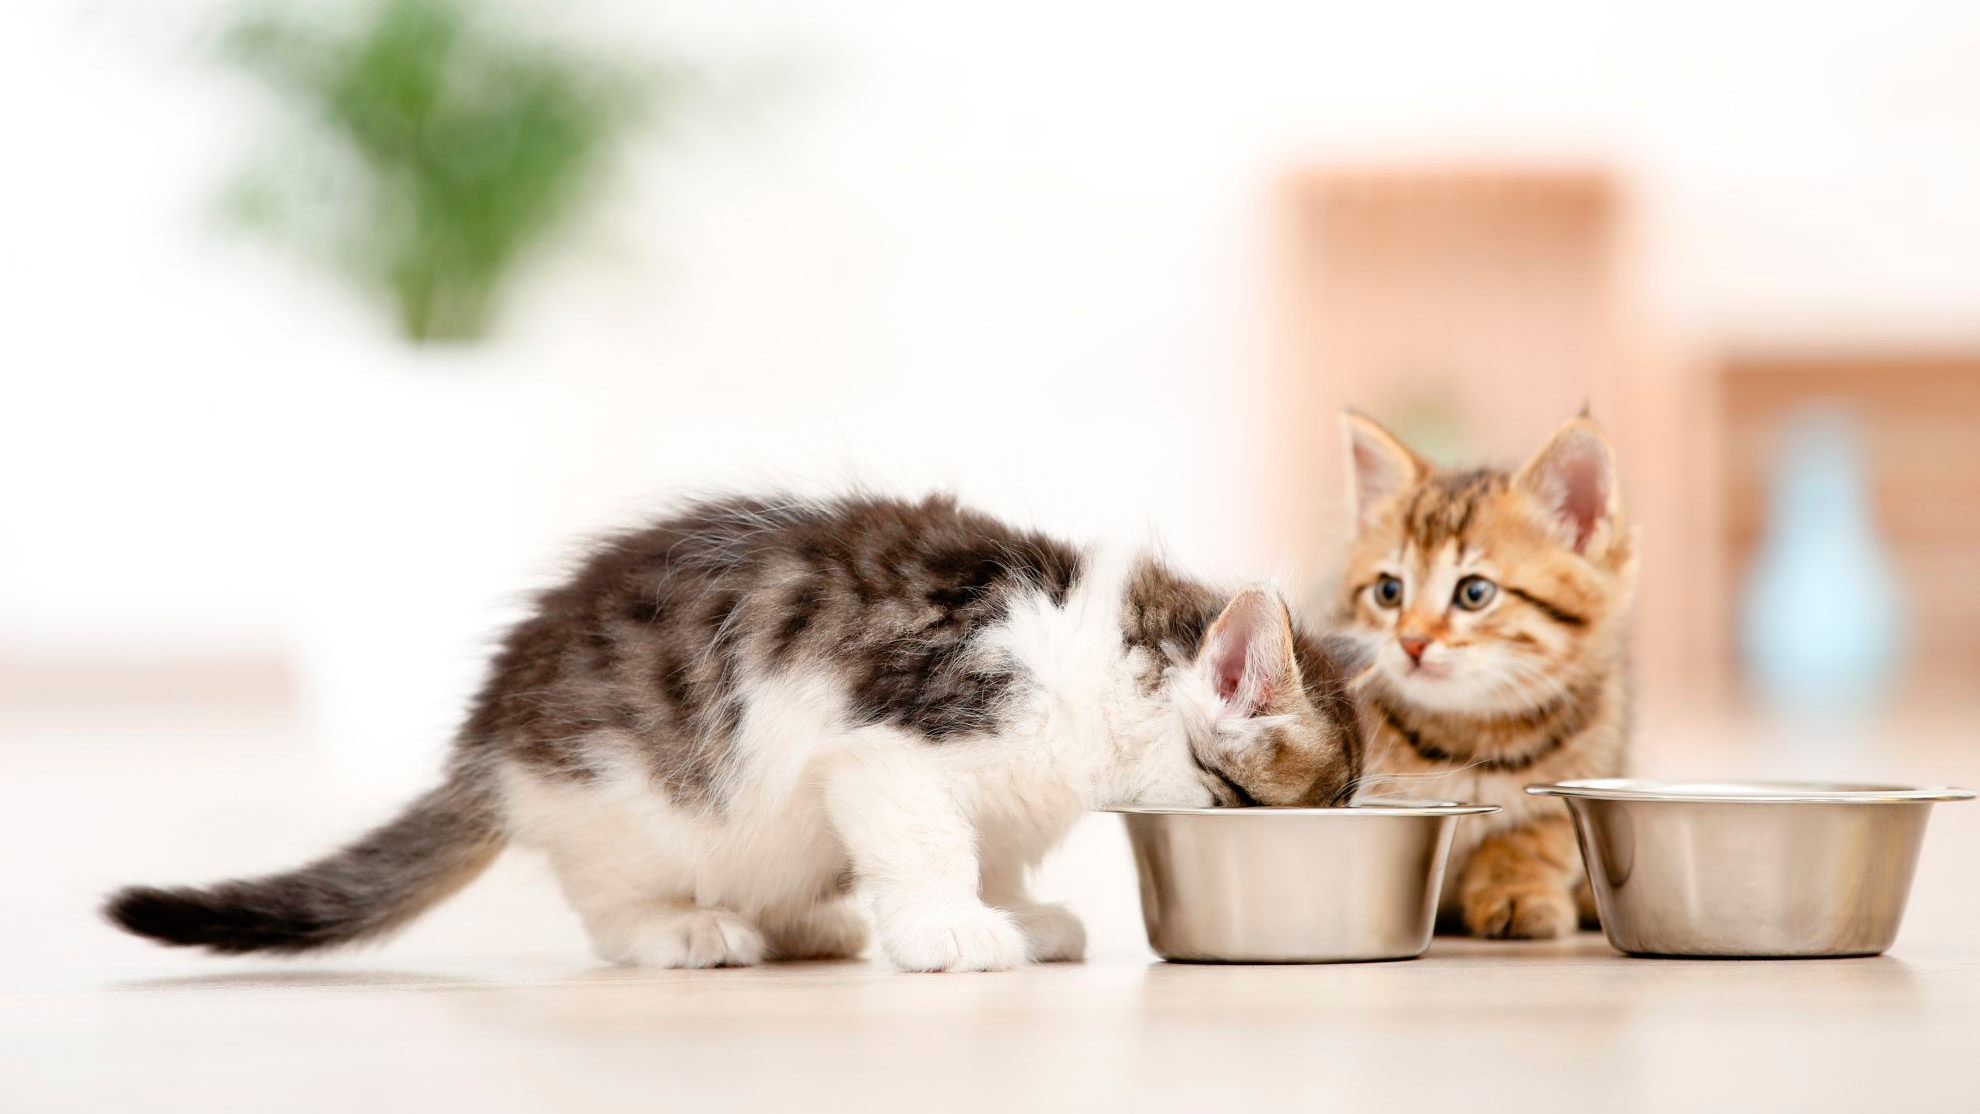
[{"x": 385, "y": 879}]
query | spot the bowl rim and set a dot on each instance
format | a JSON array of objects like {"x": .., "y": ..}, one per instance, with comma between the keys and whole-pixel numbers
[
  {"x": 1745, "y": 791},
  {"x": 1387, "y": 807}
]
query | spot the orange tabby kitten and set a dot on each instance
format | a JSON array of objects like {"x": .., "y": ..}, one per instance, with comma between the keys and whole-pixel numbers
[{"x": 1493, "y": 606}]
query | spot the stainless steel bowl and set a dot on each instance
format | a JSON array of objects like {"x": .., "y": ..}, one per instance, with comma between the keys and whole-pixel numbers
[
  {"x": 1292, "y": 885},
  {"x": 1749, "y": 868}
]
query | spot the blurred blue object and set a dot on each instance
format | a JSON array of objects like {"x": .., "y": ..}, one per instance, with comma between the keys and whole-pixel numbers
[{"x": 1823, "y": 619}]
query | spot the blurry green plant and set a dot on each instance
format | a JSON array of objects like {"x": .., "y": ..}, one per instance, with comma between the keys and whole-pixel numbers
[{"x": 438, "y": 145}]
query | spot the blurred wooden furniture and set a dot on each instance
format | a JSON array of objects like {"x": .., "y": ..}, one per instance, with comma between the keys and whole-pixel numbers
[
  {"x": 1917, "y": 414},
  {"x": 1472, "y": 310}
]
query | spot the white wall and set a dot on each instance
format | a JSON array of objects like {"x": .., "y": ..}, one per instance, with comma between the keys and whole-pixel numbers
[{"x": 1020, "y": 249}]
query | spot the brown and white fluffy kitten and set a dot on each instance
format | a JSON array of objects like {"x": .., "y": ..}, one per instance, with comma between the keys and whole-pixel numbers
[
  {"x": 726, "y": 721},
  {"x": 1493, "y": 606}
]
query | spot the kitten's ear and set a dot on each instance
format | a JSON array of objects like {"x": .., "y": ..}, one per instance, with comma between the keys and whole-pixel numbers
[
  {"x": 1379, "y": 466},
  {"x": 1248, "y": 653},
  {"x": 1573, "y": 477}
]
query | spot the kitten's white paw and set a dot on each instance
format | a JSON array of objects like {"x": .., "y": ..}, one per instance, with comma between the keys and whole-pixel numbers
[
  {"x": 689, "y": 938},
  {"x": 979, "y": 939},
  {"x": 833, "y": 930},
  {"x": 1051, "y": 933}
]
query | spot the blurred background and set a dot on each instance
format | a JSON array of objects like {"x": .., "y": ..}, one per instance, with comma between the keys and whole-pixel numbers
[{"x": 331, "y": 327}]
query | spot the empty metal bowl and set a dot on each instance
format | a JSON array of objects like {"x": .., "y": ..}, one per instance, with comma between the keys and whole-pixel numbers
[
  {"x": 1292, "y": 885},
  {"x": 1749, "y": 868}
]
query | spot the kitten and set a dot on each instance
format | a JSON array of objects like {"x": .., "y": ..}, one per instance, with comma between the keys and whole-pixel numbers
[
  {"x": 727, "y": 720},
  {"x": 1494, "y": 608}
]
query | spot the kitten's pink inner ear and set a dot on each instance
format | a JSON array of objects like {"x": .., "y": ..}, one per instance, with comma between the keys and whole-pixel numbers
[
  {"x": 1376, "y": 474},
  {"x": 1229, "y": 664},
  {"x": 1247, "y": 651},
  {"x": 1381, "y": 466},
  {"x": 1573, "y": 479}
]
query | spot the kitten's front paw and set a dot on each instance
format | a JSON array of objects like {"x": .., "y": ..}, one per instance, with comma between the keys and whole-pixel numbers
[
  {"x": 690, "y": 938},
  {"x": 1523, "y": 911},
  {"x": 981, "y": 939},
  {"x": 1051, "y": 933}
]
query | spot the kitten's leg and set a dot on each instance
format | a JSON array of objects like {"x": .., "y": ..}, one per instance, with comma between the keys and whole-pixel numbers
[
  {"x": 621, "y": 892},
  {"x": 1520, "y": 882},
  {"x": 915, "y": 853},
  {"x": 1051, "y": 933},
  {"x": 633, "y": 891},
  {"x": 629, "y": 926},
  {"x": 833, "y": 929}
]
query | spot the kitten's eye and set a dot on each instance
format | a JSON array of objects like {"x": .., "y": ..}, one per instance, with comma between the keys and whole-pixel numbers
[
  {"x": 1474, "y": 592},
  {"x": 1388, "y": 591}
]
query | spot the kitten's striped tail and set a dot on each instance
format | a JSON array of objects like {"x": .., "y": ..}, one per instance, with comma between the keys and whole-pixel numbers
[{"x": 377, "y": 884}]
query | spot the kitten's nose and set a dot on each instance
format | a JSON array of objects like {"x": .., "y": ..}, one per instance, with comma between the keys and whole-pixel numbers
[{"x": 1414, "y": 646}]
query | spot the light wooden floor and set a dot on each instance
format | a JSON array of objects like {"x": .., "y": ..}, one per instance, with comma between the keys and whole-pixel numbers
[{"x": 493, "y": 1004}]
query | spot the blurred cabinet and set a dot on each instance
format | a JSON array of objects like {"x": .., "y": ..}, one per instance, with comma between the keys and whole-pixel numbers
[
  {"x": 1917, "y": 415},
  {"x": 1472, "y": 310}
]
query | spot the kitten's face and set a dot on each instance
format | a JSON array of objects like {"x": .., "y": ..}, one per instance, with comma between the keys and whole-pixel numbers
[{"x": 1479, "y": 591}]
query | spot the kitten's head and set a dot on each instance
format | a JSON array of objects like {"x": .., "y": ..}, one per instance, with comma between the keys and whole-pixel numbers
[
  {"x": 1270, "y": 722},
  {"x": 1486, "y": 591}
]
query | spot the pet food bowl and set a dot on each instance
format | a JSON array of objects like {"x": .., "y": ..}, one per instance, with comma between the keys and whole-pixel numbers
[
  {"x": 1749, "y": 868},
  {"x": 1292, "y": 885}
]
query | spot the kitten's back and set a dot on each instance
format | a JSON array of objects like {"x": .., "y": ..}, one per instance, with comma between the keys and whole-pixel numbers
[{"x": 657, "y": 637}]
